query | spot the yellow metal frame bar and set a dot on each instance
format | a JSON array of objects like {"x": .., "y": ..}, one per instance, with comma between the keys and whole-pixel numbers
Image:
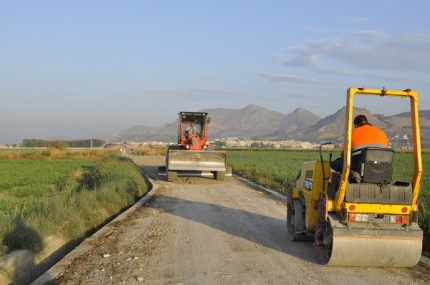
[{"x": 413, "y": 97}]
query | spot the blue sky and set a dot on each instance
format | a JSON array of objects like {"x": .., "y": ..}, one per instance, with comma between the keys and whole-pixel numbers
[{"x": 66, "y": 65}]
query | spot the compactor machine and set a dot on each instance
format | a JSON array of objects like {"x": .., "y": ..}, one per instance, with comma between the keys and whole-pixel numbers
[
  {"x": 192, "y": 156},
  {"x": 360, "y": 217}
]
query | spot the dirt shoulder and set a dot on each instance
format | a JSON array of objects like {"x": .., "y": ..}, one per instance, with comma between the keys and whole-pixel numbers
[{"x": 202, "y": 231}]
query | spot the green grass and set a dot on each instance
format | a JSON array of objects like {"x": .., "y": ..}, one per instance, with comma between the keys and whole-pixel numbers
[
  {"x": 68, "y": 196},
  {"x": 271, "y": 168},
  {"x": 151, "y": 150},
  {"x": 26, "y": 179},
  {"x": 276, "y": 169}
]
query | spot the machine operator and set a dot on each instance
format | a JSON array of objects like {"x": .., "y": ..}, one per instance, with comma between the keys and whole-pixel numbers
[{"x": 364, "y": 135}]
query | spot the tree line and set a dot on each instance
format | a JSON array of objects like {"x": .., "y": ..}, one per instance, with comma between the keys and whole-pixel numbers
[{"x": 89, "y": 143}]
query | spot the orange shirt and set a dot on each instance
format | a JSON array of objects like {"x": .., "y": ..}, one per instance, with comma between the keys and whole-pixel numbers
[{"x": 367, "y": 136}]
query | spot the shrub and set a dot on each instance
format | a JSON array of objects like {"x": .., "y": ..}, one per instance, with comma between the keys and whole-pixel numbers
[{"x": 57, "y": 145}]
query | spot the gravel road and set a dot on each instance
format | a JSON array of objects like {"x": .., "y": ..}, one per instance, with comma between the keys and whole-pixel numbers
[{"x": 202, "y": 231}]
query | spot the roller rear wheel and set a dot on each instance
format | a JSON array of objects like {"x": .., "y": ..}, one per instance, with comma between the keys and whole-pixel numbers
[
  {"x": 323, "y": 240},
  {"x": 296, "y": 221}
]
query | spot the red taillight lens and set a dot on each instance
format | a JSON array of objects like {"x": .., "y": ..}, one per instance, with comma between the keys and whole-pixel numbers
[
  {"x": 401, "y": 219},
  {"x": 351, "y": 207},
  {"x": 404, "y": 210},
  {"x": 351, "y": 217}
]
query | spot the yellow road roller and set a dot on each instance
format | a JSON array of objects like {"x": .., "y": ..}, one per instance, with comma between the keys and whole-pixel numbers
[{"x": 360, "y": 217}]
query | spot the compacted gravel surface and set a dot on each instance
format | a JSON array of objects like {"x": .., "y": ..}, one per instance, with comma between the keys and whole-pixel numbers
[{"x": 202, "y": 231}]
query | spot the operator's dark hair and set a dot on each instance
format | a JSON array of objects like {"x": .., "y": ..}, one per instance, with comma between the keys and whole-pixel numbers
[{"x": 360, "y": 120}]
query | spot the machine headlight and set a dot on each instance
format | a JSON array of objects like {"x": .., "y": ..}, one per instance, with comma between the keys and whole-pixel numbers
[{"x": 307, "y": 184}]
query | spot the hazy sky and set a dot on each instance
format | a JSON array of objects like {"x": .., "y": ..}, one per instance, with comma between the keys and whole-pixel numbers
[{"x": 65, "y": 65}]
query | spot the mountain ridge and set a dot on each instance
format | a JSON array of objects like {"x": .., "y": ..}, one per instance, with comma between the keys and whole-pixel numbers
[{"x": 256, "y": 122}]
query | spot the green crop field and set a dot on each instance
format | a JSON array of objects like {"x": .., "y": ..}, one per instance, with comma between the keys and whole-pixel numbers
[
  {"x": 25, "y": 182},
  {"x": 276, "y": 169},
  {"x": 65, "y": 194}
]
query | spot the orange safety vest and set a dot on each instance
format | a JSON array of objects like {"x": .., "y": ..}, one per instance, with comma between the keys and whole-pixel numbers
[{"x": 367, "y": 136}]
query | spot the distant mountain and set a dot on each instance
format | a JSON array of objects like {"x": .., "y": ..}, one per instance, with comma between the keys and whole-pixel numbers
[
  {"x": 330, "y": 128},
  {"x": 250, "y": 122},
  {"x": 423, "y": 114},
  {"x": 397, "y": 127},
  {"x": 256, "y": 122},
  {"x": 107, "y": 132},
  {"x": 166, "y": 133},
  {"x": 299, "y": 119}
]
